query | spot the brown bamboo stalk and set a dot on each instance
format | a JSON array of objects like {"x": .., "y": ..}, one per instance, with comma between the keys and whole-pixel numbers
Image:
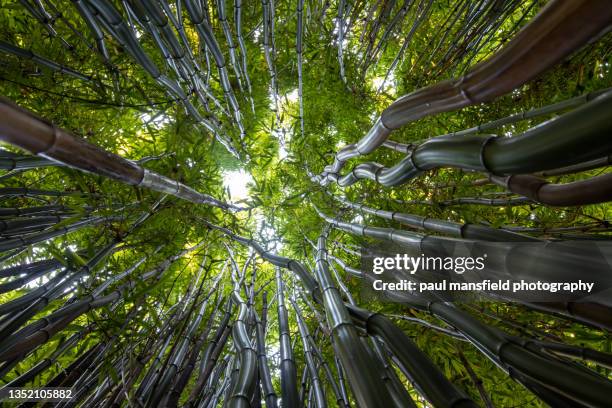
[
  {"x": 24, "y": 129},
  {"x": 590, "y": 191}
]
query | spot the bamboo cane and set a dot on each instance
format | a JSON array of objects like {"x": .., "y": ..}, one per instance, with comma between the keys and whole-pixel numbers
[
  {"x": 360, "y": 368},
  {"x": 230, "y": 41},
  {"x": 24, "y": 129},
  {"x": 244, "y": 385},
  {"x": 590, "y": 191},
  {"x": 426, "y": 377},
  {"x": 467, "y": 230},
  {"x": 264, "y": 371},
  {"x": 320, "y": 398},
  {"x": 540, "y": 148},
  {"x": 42, "y": 61},
  {"x": 287, "y": 364},
  {"x": 528, "y": 54}
]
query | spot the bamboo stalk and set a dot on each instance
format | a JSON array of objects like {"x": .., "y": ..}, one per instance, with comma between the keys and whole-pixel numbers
[
  {"x": 34, "y": 238},
  {"x": 360, "y": 368},
  {"x": 590, "y": 191},
  {"x": 206, "y": 35},
  {"x": 297, "y": 267},
  {"x": 540, "y": 148},
  {"x": 243, "y": 50},
  {"x": 230, "y": 41},
  {"x": 264, "y": 371},
  {"x": 423, "y": 10},
  {"x": 328, "y": 373},
  {"x": 514, "y": 118},
  {"x": 267, "y": 37},
  {"x": 384, "y": 39},
  {"x": 31, "y": 275},
  {"x": 422, "y": 372},
  {"x": 511, "y": 354},
  {"x": 319, "y": 393},
  {"x": 94, "y": 28},
  {"x": 29, "y": 224},
  {"x": 528, "y": 54},
  {"x": 466, "y": 230},
  {"x": 340, "y": 41},
  {"x": 27, "y": 131},
  {"x": 214, "y": 349},
  {"x": 42, "y": 61},
  {"x": 46, "y": 210},
  {"x": 45, "y": 363},
  {"x": 47, "y": 265},
  {"x": 287, "y": 368},
  {"x": 392, "y": 382},
  {"x": 244, "y": 385}
]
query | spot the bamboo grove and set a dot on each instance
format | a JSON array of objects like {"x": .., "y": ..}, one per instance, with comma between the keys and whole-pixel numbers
[{"x": 136, "y": 273}]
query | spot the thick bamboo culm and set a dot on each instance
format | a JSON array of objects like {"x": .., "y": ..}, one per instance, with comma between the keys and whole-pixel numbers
[
  {"x": 424, "y": 374},
  {"x": 590, "y": 191},
  {"x": 361, "y": 370},
  {"x": 541, "y": 148},
  {"x": 288, "y": 378},
  {"x": 10, "y": 161},
  {"x": 508, "y": 120},
  {"x": 557, "y": 31},
  {"x": 27, "y": 131}
]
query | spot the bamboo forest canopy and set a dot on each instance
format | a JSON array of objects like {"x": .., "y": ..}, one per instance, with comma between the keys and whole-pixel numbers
[{"x": 186, "y": 186}]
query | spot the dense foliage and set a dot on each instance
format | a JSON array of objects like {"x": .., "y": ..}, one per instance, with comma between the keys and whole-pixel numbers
[{"x": 356, "y": 58}]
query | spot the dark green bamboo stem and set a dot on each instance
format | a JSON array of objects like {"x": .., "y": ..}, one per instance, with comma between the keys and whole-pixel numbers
[
  {"x": 42, "y": 61},
  {"x": 423, "y": 373},
  {"x": 288, "y": 370},
  {"x": 361, "y": 370},
  {"x": 541, "y": 148}
]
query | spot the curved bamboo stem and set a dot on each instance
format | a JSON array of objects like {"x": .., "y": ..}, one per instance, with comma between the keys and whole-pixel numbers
[
  {"x": 528, "y": 54},
  {"x": 243, "y": 388},
  {"x": 42, "y": 61},
  {"x": 540, "y": 148},
  {"x": 425, "y": 375},
  {"x": 590, "y": 191}
]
